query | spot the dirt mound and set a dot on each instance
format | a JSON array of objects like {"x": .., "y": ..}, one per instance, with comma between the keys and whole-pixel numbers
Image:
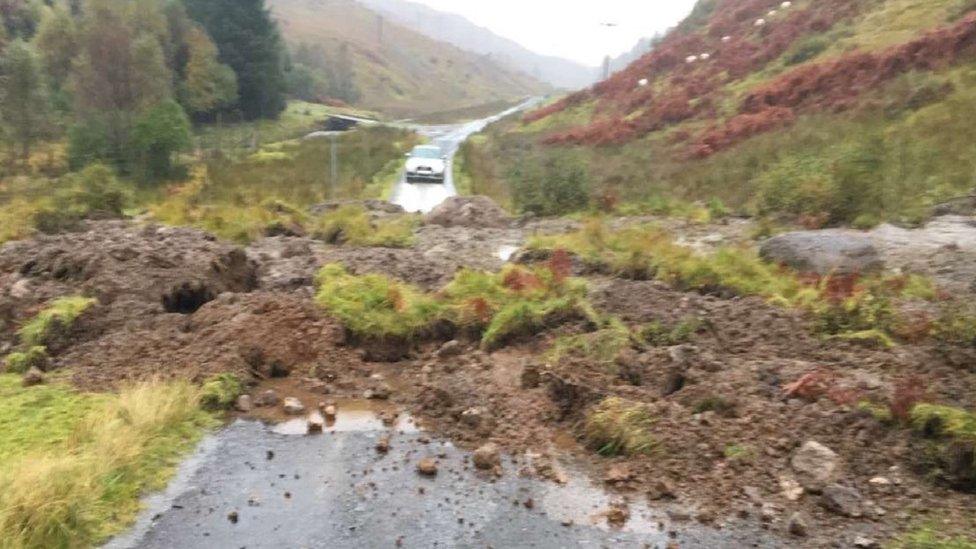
[
  {"x": 469, "y": 211},
  {"x": 256, "y": 336},
  {"x": 134, "y": 272}
]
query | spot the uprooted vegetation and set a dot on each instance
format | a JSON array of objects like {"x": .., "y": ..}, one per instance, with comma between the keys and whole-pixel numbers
[
  {"x": 46, "y": 329},
  {"x": 619, "y": 427},
  {"x": 351, "y": 225},
  {"x": 852, "y": 307},
  {"x": 74, "y": 465},
  {"x": 490, "y": 307}
]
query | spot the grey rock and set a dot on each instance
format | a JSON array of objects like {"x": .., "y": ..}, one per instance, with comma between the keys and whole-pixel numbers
[
  {"x": 473, "y": 417},
  {"x": 863, "y": 542},
  {"x": 824, "y": 252},
  {"x": 450, "y": 349},
  {"x": 469, "y": 211},
  {"x": 267, "y": 398},
  {"x": 815, "y": 466},
  {"x": 293, "y": 406},
  {"x": 487, "y": 457},
  {"x": 842, "y": 500},
  {"x": 244, "y": 403}
]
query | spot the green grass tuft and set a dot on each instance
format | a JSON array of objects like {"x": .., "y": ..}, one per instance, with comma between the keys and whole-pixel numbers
[
  {"x": 59, "y": 315},
  {"x": 619, "y": 427},
  {"x": 220, "y": 392},
  {"x": 351, "y": 225},
  {"x": 20, "y": 362}
]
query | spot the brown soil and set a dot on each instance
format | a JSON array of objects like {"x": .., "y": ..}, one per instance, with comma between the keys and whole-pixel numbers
[{"x": 177, "y": 303}]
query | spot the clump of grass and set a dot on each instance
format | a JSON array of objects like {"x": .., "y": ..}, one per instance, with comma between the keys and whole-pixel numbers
[
  {"x": 20, "y": 362},
  {"x": 956, "y": 326},
  {"x": 60, "y": 315},
  {"x": 646, "y": 252},
  {"x": 77, "y": 485},
  {"x": 376, "y": 306},
  {"x": 351, "y": 225},
  {"x": 617, "y": 426},
  {"x": 657, "y": 334},
  {"x": 495, "y": 307},
  {"x": 951, "y": 434},
  {"x": 602, "y": 346},
  {"x": 220, "y": 392}
]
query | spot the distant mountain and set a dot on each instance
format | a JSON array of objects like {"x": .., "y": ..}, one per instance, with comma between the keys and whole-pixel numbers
[
  {"x": 622, "y": 61},
  {"x": 398, "y": 71},
  {"x": 455, "y": 29}
]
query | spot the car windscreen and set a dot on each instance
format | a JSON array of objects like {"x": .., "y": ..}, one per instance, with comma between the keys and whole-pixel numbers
[{"x": 426, "y": 153}]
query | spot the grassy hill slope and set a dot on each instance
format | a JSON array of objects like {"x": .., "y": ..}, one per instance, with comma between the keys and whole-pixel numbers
[
  {"x": 405, "y": 73},
  {"x": 829, "y": 111}
]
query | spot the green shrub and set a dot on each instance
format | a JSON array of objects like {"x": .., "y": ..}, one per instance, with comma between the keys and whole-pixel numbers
[
  {"x": 20, "y": 362},
  {"x": 58, "y": 316},
  {"x": 619, "y": 427},
  {"x": 158, "y": 135},
  {"x": 220, "y": 392},
  {"x": 558, "y": 183}
]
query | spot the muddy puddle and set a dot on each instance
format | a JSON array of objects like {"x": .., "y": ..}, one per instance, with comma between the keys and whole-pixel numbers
[{"x": 255, "y": 484}]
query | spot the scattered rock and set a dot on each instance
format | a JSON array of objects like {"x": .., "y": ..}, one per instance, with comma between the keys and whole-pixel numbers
[
  {"x": 487, "y": 457},
  {"x": 815, "y": 466},
  {"x": 674, "y": 381},
  {"x": 824, "y": 252},
  {"x": 791, "y": 489},
  {"x": 383, "y": 445},
  {"x": 469, "y": 211},
  {"x": 450, "y": 349},
  {"x": 233, "y": 517},
  {"x": 754, "y": 494},
  {"x": 267, "y": 399},
  {"x": 244, "y": 403},
  {"x": 797, "y": 525},
  {"x": 329, "y": 411},
  {"x": 33, "y": 377},
  {"x": 293, "y": 406},
  {"x": 880, "y": 482},
  {"x": 768, "y": 512},
  {"x": 842, "y": 500},
  {"x": 316, "y": 423},
  {"x": 427, "y": 467},
  {"x": 617, "y": 474},
  {"x": 380, "y": 392},
  {"x": 618, "y": 514}
]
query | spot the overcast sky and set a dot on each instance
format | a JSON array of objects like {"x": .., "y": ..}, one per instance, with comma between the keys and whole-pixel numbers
[{"x": 571, "y": 28}]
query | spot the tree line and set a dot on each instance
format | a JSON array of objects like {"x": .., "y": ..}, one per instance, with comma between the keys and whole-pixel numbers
[{"x": 123, "y": 80}]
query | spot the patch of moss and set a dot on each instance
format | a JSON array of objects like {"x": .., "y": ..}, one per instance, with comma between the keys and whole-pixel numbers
[
  {"x": 939, "y": 420},
  {"x": 220, "y": 392},
  {"x": 619, "y": 427},
  {"x": 59, "y": 315},
  {"x": 20, "y": 362},
  {"x": 873, "y": 338}
]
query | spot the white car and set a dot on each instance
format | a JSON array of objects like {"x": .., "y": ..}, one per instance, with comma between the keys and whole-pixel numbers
[{"x": 426, "y": 163}]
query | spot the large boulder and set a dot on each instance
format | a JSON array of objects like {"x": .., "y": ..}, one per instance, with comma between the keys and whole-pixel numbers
[
  {"x": 815, "y": 466},
  {"x": 478, "y": 212},
  {"x": 831, "y": 251}
]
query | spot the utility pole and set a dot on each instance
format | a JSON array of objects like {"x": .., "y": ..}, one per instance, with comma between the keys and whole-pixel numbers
[
  {"x": 606, "y": 67},
  {"x": 334, "y": 165}
]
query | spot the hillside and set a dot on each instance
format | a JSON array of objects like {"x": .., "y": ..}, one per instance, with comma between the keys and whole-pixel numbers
[
  {"x": 398, "y": 71},
  {"x": 832, "y": 112},
  {"x": 455, "y": 29}
]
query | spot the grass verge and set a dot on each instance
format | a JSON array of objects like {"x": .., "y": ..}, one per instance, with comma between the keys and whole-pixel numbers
[{"x": 78, "y": 464}]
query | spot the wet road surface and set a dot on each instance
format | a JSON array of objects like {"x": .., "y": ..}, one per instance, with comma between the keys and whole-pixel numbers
[
  {"x": 424, "y": 197},
  {"x": 336, "y": 491}
]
